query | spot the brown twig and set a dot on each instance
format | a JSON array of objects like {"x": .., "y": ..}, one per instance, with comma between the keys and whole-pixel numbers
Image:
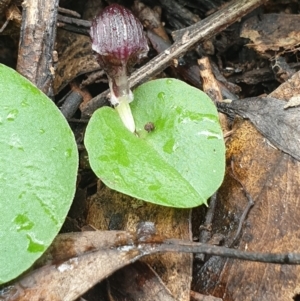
[
  {"x": 73, "y": 28},
  {"x": 196, "y": 33},
  {"x": 92, "y": 78},
  {"x": 71, "y": 104},
  {"x": 69, "y": 12},
  {"x": 74, "y": 21},
  {"x": 174, "y": 245},
  {"x": 37, "y": 37}
]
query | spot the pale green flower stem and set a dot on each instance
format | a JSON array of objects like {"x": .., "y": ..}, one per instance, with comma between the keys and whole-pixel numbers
[
  {"x": 123, "y": 108},
  {"x": 121, "y": 96}
]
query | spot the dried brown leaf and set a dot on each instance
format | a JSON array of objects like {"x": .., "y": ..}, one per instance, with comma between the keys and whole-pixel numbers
[{"x": 272, "y": 180}]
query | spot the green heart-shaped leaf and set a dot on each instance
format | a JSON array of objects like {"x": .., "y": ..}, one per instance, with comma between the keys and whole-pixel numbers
[
  {"x": 38, "y": 169},
  {"x": 179, "y": 163}
]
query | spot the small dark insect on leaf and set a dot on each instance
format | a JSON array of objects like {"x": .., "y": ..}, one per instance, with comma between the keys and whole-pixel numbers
[{"x": 149, "y": 127}]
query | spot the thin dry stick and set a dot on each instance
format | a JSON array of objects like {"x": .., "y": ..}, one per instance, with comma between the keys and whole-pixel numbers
[
  {"x": 246, "y": 211},
  {"x": 69, "y": 12},
  {"x": 194, "y": 34},
  {"x": 74, "y": 21},
  {"x": 177, "y": 245}
]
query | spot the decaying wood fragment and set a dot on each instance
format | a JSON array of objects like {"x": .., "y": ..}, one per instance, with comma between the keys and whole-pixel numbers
[{"x": 210, "y": 84}]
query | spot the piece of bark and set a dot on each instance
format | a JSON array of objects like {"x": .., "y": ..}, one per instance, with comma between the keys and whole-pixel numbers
[
  {"x": 272, "y": 33},
  {"x": 196, "y": 33},
  {"x": 115, "y": 211},
  {"x": 37, "y": 38}
]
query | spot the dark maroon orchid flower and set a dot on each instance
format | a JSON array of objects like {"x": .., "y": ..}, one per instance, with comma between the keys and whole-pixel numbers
[{"x": 119, "y": 42}]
